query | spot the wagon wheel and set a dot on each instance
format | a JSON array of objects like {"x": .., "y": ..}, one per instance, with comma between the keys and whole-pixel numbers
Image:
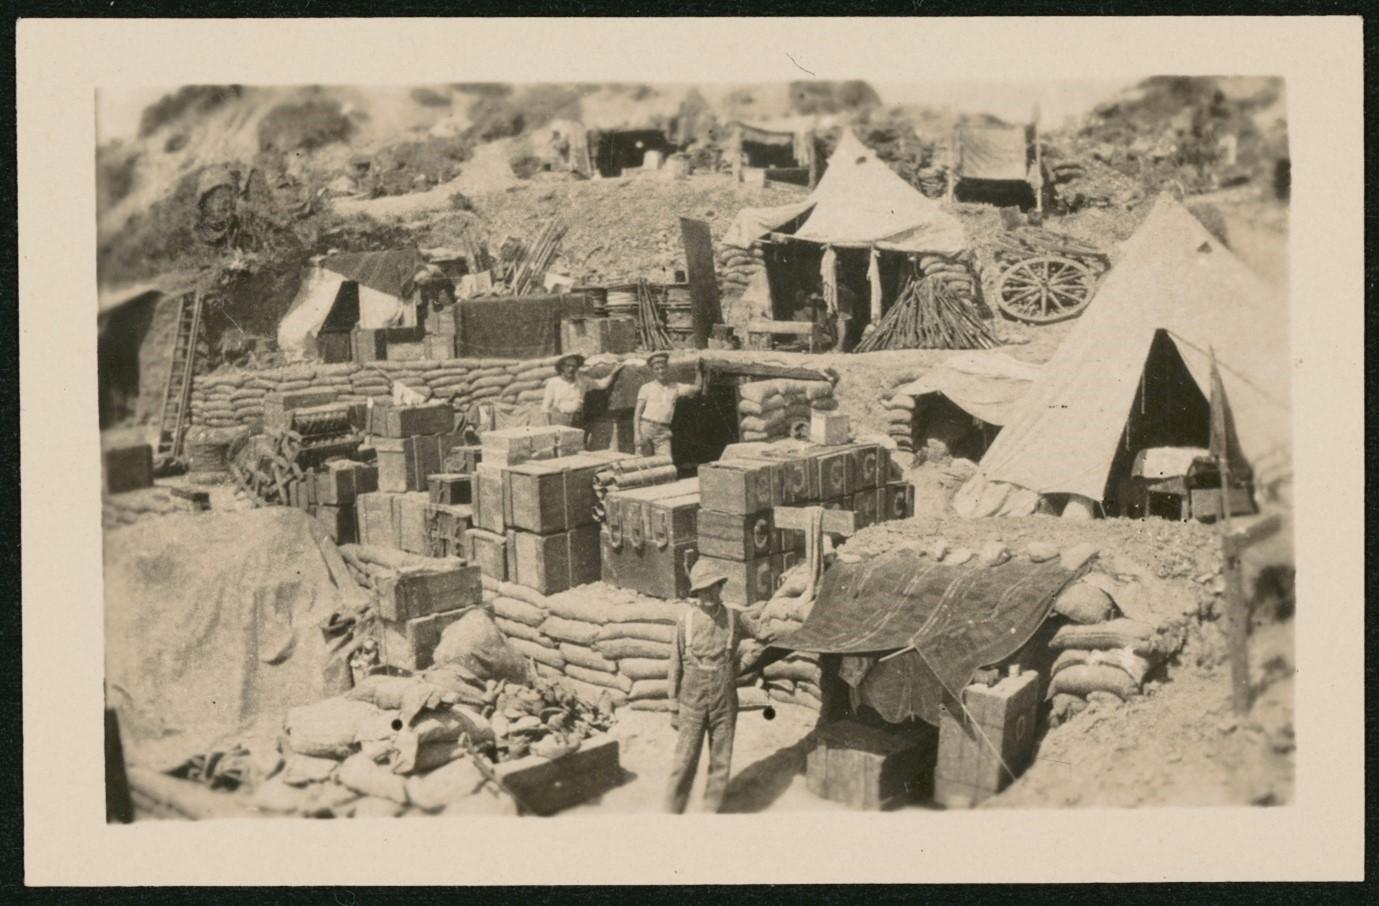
[{"x": 1044, "y": 289}]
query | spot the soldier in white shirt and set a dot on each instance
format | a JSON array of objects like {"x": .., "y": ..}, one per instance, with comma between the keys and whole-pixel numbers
[
  {"x": 656, "y": 405},
  {"x": 563, "y": 403}
]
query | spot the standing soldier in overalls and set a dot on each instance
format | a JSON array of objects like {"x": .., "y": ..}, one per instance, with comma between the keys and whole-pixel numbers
[{"x": 703, "y": 687}]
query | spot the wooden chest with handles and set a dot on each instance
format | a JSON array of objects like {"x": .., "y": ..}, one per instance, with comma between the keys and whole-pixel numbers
[
  {"x": 740, "y": 486},
  {"x": 732, "y": 537}
]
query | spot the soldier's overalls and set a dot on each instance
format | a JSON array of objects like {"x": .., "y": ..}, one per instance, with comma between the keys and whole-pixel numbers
[{"x": 708, "y": 706}]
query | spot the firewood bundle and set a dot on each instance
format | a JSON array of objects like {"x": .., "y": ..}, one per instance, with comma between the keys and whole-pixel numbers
[
  {"x": 1024, "y": 242},
  {"x": 533, "y": 263},
  {"x": 651, "y": 324},
  {"x": 928, "y": 315}
]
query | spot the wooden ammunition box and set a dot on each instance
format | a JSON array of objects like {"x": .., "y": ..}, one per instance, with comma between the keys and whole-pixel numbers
[
  {"x": 544, "y": 786},
  {"x": 339, "y": 522},
  {"x": 507, "y": 446},
  {"x": 534, "y": 497},
  {"x": 407, "y": 421},
  {"x": 784, "y": 562},
  {"x": 749, "y": 581},
  {"x": 740, "y": 486},
  {"x": 867, "y": 768},
  {"x": 374, "y": 520},
  {"x": 895, "y": 501},
  {"x": 651, "y": 570},
  {"x": 555, "y": 562},
  {"x": 127, "y": 468},
  {"x": 424, "y": 590},
  {"x": 832, "y": 469},
  {"x": 864, "y": 506},
  {"x": 405, "y": 464},
  {"x": 975, "y": 749},
  {"x": 828, "y": 428},
  {"x": 340, "y": 482},
  {"x": 463, "y": 460},
  {"x": 412, "y": 643},
  {"x": 278, "y": 406},
  {"x": 732, "y": 537},
  {"x": 489, "y": 498},
  {"x": 409, "y": 511},
  {"x": 368, "y": 345},
  {"x": 450, "y": 488},
  {"x": 446, "y": 525},
  {"x": 868, "y": 465},
  {"x": 488, "y": 551}
]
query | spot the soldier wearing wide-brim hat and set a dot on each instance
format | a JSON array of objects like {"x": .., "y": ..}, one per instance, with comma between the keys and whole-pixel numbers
[
  {"x": 702, "y": 686},
  {"x": 656, "y": 401},
  {"x": 563, "y": 402}
]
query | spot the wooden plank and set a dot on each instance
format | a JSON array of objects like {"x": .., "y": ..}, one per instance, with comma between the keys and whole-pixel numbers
[
  {"x": 785, "y": 328},
  {"x": 836, "y": 522},
  {"x": 703, "y": 285},
  {"x": 724, "y": 368}
]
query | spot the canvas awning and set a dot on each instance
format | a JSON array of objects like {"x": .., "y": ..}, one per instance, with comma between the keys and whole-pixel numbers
[
  {"x": 946, "y": 621},
  {"x": 316, "y": 298},
  {"x": 993, "y": 152},
  {"x": 860, "y": 202},
  {"x": 985, "y": 384},
  {"x": 1174, "y": 277}
]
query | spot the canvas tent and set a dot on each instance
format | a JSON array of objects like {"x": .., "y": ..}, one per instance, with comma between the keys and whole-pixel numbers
[
  {"x": 985, "y": 384},
  {"x": 859, "y": 203},
  {"x": 382, "y": 281},
  {"x": 1175, "y": 295},
  {"x": 997, "y": 165}
]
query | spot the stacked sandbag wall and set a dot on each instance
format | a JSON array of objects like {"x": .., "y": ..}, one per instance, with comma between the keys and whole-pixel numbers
[
  {"x": 736, "y": 266},
  {"x": 796, "y": 678},
  {"x": 900, "y": 420},
  {"x": 957, "y": 272},
  {"x": 229, "y": 398},
  {"x": 767, "y": 409}
]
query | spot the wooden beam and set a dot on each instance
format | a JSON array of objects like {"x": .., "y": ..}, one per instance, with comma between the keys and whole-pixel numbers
[
  {"x": 788, "y": 328},
  {"x": 836, "y": 522},
  {"x": 764, "y": 370}
]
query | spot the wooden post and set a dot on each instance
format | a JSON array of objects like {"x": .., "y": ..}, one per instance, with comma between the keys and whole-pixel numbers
[
  {"x": 1237, "y": 609},
  {"x": 836, "y": 522},
  {"x": 1038, "y": 168},
  {"x": 952, "y": 165}
]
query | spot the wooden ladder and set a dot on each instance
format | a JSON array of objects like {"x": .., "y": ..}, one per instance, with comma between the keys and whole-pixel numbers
[{"x": 177, "y": 393}]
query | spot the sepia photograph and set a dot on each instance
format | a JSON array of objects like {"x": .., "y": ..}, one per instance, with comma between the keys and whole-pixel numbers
[{"x": 832, "y": 445}]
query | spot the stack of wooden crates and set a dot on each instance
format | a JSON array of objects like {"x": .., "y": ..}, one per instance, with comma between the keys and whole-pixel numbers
[
  {"x": 650, "y": 538},
  {"x": 533, "y": 502}
]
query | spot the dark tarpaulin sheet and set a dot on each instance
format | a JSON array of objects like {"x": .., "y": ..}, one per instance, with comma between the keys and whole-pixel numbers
[
  {"x": 956, "y": 618},
  {"x": 389, "y": 271},
  {"x": 516, "y": 327}
]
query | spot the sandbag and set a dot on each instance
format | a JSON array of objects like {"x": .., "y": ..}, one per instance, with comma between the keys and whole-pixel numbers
[
  {"x": 1121, "y": 633},
  {"x": 514, "y": 630},
  {"x": 577, "y": 631},
  {"x": 651, "y": 632},
  {"x": 649, "y": 704},
  {"x": 753, "y": 407},
  {"x": 539, "y": 653},
  {"x": 475, "y": 643},
  {"x": 1083, "y": 679},
  {"x": 619, "y": 649},
  {"x": 797, "y": 671},
  {"x": 639, "y": 668},
  {"x": 1084, "y": 603},
  {"x": 518, "y": 611},
  {"x": 330, "y": 728},
  {"x": 442, "y": 786},
  {"x": 646, "y": 610},
  {"x": 1133, "y": 664},
  {"x": 586, "y": 657},
  {"x": 361, "y": 774},
  {"x": 647, "y": 688},
  {"x": 599, "y": 678}
]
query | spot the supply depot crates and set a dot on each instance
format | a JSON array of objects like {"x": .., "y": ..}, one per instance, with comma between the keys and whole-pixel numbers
[
  {"x": 334, "y": 492},
  {"x": 650, "y": 538},
  {"x": 868, "y": 768},
  {"x": 739, "y": 492},
  {"x": 534, "y": 518}
]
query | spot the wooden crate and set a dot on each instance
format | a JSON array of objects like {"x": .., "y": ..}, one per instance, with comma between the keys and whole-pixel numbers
[
  {"x": 374, "y": 520},
  {"x": 868, "y": 466},
  {"x": 407, "y": 421},
  {"x": 544, "y": 786},
  {"x": 339, "y": 522},
  {"x": 411, "y": 644},
  {"x": 446, "y": 525},
  {"x": 975, "y": 749},
  {"x": 450, "y": 488},
  {"x": 895, "y": 501},
  {"x": 740, "y": 486},
  {"x": 867, "y": 768},
  {"x": 832, "y": 470},
  {"x": 591, "y": 336},
  {"x": 489, "y": 498},
  {"x": 748, "y": 581},
  {"x": 277, "y": 407},
  {"x": 488, "y": 551},
  {"x": 127, "y": 468},
  {"x": 534, "y": 497},
  {"x": 410, "y": 513},
  {"x": 340, "y": 482},
  {"x": 368, "y": 345},
  {"x": 651, "y": 570},
  {"x": 864, "y": 505},
  {"x": 729, "y": 536},
  {"x": 828, "y": 428},
  {"x": 463, "y": 460},
  {"x": 552, "y": 563},
  {"x": 422, "y": 591},
  {"x": 407, "y": 463}
]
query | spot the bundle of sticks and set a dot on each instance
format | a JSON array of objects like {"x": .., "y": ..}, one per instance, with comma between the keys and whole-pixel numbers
[
  {"x": 929, "y": 315},
  {"x": 651, "y": 325},
  {"x": 624, "y": 474},
  {"x": 272, "y": 468},
  {"x": 532, "y": 265}
]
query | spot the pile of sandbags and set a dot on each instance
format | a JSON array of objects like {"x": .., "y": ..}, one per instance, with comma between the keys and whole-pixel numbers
[
  {"x": 900, "y": 420},
  {"x": 226, "y": 399},
  {"x": 610, "y": 644},
  {"x": 794, "y": 680},
  {"x": 737, "y": 266},
  {"x": 955, "y": 272},
  {"x": 130, "y": 507},
  {"x": 769, "y": 410},
  {"x": 932, "y": 181}
]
